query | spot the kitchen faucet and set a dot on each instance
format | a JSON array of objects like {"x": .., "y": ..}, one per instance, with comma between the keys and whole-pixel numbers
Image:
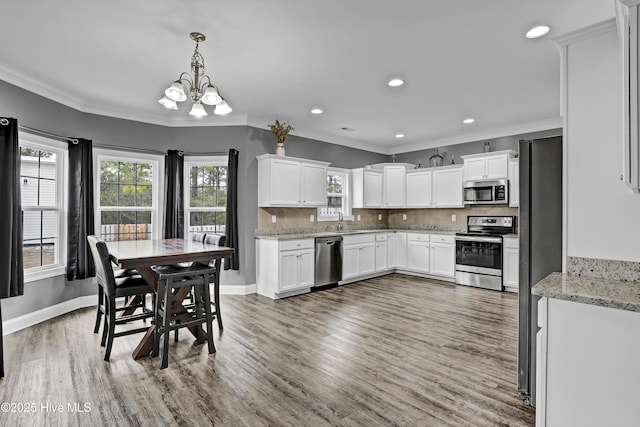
[{"x": 340, "y": 224}]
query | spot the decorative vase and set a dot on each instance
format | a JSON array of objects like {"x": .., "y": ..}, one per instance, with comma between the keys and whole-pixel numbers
[
  {"x": 487, "y": 147},
  {"x": 280, "y": 149},
  {"x": 436, "y": 159}
]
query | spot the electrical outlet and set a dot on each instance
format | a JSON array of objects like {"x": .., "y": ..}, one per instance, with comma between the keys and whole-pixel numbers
[
  {"x": 404, "y": 217},
  {"x": 358, "y": 217},
  {"x": 379, "y": 217},
  {"x": 273, "y": 219},
  {"x": 312, "y": 218},
  {"x": 453, "y": 218}
]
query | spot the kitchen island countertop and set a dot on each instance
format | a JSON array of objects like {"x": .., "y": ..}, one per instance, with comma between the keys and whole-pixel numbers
[{"x": 589, "y": 290}]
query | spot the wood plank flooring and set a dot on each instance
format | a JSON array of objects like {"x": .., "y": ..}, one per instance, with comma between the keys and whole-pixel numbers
[{"x": 392, "y": 351}]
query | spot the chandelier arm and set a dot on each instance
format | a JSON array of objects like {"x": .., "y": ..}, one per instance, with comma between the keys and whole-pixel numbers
[{"x": 187, "y": 79}]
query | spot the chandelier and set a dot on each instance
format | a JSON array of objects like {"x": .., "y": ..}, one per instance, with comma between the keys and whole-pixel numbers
[{"x": 199, "y": 87}]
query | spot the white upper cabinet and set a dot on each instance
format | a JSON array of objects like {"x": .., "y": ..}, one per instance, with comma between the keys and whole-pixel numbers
[
  {"x": 291, "y": 182},
  {"x": 367, "y": 188},
  {"x": 493, "y": 165},
  {"x": 418, "y": 186},
  {"x": 394, "y": 186},
  {"x": 447, "y": 187},
  {"x": 514, "y": 183}
]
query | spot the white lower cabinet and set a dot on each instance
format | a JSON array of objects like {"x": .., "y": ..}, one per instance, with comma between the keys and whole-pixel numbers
[
  {"x": 442, "y": 255},
  {"x": 510, "y": 263},
  {"x": 397, "y": 250},
  {"x": 418, "y": 252},
  {"x": 381, "y": 252},
  {"x": 358, "y": 255},
  {"x": 285, "y": 267}
]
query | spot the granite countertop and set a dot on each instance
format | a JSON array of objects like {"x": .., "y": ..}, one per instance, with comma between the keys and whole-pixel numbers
[
  {"x": 313, "y": 234},
  {"x": 588, "y": 290}
]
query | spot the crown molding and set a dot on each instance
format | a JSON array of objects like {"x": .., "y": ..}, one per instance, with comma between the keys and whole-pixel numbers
[{"x": 587, "y": 32}]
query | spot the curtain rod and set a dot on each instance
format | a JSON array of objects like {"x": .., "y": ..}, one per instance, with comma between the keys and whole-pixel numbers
[
  {"x": 43, "y": 133},
  {"x": 162, "y": 153}
]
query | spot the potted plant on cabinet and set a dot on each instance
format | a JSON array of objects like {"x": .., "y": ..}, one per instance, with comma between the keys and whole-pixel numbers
[{"x": 280, "y": 132}]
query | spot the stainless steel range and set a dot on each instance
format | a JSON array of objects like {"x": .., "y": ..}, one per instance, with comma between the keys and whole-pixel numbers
[{"x": 479, "y": 251}]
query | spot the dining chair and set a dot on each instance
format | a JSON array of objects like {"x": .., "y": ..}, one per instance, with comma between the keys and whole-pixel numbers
[
  {"x": 111, "y": 289},
  {"x": 193, "y": 315}
]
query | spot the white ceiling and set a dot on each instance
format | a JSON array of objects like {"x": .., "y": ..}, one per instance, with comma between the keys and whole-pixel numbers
[{"x": 278, "y": 59}]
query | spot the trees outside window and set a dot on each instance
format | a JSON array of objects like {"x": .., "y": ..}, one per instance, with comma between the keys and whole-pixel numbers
[{"x": 205, "y": 194}]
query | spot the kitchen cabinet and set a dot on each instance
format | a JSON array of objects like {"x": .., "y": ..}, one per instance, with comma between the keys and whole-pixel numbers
[
  {"x": 447, "y": 187},
  {"x": 358, "y": 255},
  {"x": 442, "y": 255},
  {"x": 418, "y": 252},
  {"x": 291, "y": 182},
  {"x": 628, "y": 20},
  {"x": 284, "y": 267},
  {"x": 367, "y": 188},
  {"x": 514, "y": 183},
  {"x": 510, "y": 263},
  {"x": 493, "y": 165},
  {"x": 419, "y": 188},
  {"x": 381, "y": 253},
  {"x": 394, "y": 186},
  {"x": 397, "y": 250}
]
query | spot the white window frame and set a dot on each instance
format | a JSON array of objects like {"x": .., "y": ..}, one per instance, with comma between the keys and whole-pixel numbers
[
  {"x": 190, "y": 161},
  {"x": 157, "y": 198},
  {"x": 347, "y": 214},
  {"x": 62, "y": 173}
]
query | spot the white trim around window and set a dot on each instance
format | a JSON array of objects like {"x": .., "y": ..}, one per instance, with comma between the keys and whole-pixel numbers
[
  {"x": 27, "y": 140},
  {"x": 189, "y": 162},
  {"x": 323, "y": 214},
  {"x": 157, "y": 204}
]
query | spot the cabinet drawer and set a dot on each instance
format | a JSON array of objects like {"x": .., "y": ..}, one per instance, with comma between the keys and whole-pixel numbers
[
  {"x": 418, "y": 237},
  {"x": 442, "y": 238},
  {"x": 511, "y": 242},
  {"x": 381, "y": 237},
  {"x": 350, "y": 239},
  {"x": 287, "y": 245}
]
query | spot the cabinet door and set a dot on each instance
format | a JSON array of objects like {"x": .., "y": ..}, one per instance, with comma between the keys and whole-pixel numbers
[
  {"x": 443, "y": 259},
  {"x": 305, "y": 268},
  {"x": 288, "y": 271},
  {"x": 418, "y": 186},
  {"x": 514, "y": 183},
  {"x": 284, "y": 182},
  {"x": 401, "y": 250},
  {"x": 372, "y": 189},
  {"x": 447, "y": 188},
  {"x": 497, "y": 166},
  {"x": 381, "y": 256},
  {"x": 474, "y": 168},
  {"x": 391, "y": 250},
  {"x": 418, "y": 256},
  {"x": 367, "y": 258},
  {"x": 314, "y": 185},
  {"x": 393, "y": 188},
  {"x": 350, "y": 254},
  {"x": 510, "y": 268}
]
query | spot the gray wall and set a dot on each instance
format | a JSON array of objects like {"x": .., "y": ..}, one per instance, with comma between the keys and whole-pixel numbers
[{"x": 40, "y": 113}]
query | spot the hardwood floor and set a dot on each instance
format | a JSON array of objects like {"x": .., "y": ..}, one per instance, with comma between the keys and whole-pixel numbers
[{"x": 395, "y": 350}]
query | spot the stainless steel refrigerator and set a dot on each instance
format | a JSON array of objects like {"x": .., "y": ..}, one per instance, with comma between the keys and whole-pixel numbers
[{"x": 540, "y": 233}]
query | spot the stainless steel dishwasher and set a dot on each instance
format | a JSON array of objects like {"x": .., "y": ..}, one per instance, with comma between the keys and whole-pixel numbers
[{"x": 328, "y": 268}]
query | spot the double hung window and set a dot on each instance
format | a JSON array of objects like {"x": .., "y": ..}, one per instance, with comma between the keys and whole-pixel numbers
[
  {"x": 338, "y": 200},
  {"x": 205, "y": 194}
]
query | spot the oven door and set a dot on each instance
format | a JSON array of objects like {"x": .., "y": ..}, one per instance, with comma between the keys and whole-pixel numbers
[{"x": 476, "y": 254}]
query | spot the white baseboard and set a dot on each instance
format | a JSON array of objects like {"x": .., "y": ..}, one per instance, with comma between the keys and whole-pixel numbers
[
  {"x": 17, "y": 323},
  {"x": 238, "y": 289}
]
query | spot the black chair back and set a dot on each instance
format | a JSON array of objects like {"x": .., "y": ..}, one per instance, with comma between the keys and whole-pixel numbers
[
  {"x": 104, "y": 271},
  {"x": 215, "y": 239},
  {"x": 198, "y": 237}
]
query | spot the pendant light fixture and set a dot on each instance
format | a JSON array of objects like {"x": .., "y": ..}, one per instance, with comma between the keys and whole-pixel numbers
[{"x": 198, "y": 85}]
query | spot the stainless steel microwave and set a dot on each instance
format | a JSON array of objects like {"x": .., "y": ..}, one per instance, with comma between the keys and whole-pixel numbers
[{"x": 486, "y": 192}]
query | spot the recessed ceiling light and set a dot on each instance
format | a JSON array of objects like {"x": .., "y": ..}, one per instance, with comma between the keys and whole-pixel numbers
[
  {"x": 399, "y": 135},
  {"x": 316, "y": 111},
  {"x": 347, "y": 129},
  {"x": 395, "y": 82},
  {"x": 537, "y": 31},
  {"x": 469, "y": 120}
]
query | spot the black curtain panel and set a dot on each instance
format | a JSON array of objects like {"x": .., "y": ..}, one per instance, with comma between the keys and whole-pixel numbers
[
  {"x": 80, "y": 217},
  {"x": 231, "y": 225},
  {"x": 11, "y": 270},
  {"x": 174, "y": 194}
]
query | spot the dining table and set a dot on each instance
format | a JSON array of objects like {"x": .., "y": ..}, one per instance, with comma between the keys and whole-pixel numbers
[{"x": 142, "y": 255}]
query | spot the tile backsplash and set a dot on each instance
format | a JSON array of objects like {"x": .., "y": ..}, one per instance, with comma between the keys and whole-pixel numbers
[{"x": 290, "y": 220}]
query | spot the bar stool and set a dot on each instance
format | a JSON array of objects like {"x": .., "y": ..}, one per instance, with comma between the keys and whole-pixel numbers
[{"x": 192, "y": 315}]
